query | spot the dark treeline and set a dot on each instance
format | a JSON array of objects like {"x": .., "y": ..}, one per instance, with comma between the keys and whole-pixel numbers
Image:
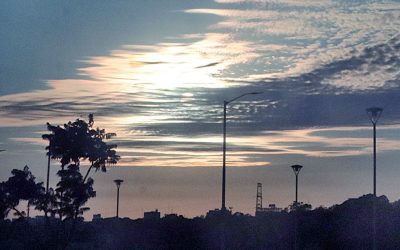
[{"x": 344, "y": 226}]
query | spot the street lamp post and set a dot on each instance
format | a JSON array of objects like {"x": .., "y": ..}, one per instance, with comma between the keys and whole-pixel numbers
[
  {"x": 118, "y": 182},
  {"x": 223, "y": 207},
  {"x": 296, "y": 170},
  {"x": 374, "y": 114}
]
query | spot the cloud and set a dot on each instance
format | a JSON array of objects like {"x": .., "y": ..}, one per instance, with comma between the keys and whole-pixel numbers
[
  {"x": 376, "y": 66},
  {"x": 312, "y": 36},
  {"x": 246, "y": 150},
  {"x": 265, "y": 3},
  {"x": 317, "y": 68}
]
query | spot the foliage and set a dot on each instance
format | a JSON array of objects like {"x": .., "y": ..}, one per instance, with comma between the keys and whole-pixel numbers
[
  {"x": 300, "y": 207},
  {"x": 47, "y": 202},
  {"x": 23, "y": 184},
  {"x": 20, "y": 186},
  {"x": 70, "y": 144},
  {"x": 72, "y": 192},
  {"x": 7, "y": 200},
  {"x": 76, "y": 141}
]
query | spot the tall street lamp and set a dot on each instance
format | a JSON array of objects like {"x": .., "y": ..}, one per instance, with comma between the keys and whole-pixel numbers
[
  {"x": 296, "y": 170},
  {"x": 118, "y": 182},
  {"x": 223, "y": 207},
  {"x": 374, "y": 114}
]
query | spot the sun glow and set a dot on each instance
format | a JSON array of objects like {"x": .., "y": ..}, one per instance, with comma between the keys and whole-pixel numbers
[{"x": 167, "y": 66}]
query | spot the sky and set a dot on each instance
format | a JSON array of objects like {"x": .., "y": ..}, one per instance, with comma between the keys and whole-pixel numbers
[{"x": 157, "y": 72}]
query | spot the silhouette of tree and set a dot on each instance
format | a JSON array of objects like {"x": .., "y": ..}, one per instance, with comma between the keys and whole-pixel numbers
[
  {"x": 75, "y": 192},
  {"x": 77, "y": 141},
  {"x": 7, "y": 200},
  {"x": 20, "y": 186},
  {"x": 70, "y": 144},
  {"x": 47, "y": 202}
]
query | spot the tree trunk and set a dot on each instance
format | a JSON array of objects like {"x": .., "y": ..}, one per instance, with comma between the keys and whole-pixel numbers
[
  {"x": 87, "y": 173},
  {"x": 28, "y": 209}
]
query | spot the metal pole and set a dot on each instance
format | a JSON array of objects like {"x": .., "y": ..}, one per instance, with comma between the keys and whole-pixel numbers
[
  {"x": 223, "y": 208},
  {"x": 296, "y": 215},
  {"x": 374, "y": 159},
  {"x": 117, "y": 201},
  {"x": 48, "y": 169},
  {"x": 297, "y": 181},
  {"x": 295, "y": 232},
  {"x": 374, "y": 114},
  {"x": 374, "y": 198}
]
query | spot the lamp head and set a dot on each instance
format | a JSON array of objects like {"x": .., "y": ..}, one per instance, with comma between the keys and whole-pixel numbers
[
  {"x": 118, "y": 182},
  {"x": 296, "y": 169},
  {"x": 234, "y": 99},
  {"x": 374, "y": 113}
]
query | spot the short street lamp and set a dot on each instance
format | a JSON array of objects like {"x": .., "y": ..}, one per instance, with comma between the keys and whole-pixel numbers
[
  {"x": 296, "y": 170},
  {"x": 118, "y": 182}
]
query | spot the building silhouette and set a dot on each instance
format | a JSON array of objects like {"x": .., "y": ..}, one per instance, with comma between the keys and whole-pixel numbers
[{"x": 152, "y": 215}]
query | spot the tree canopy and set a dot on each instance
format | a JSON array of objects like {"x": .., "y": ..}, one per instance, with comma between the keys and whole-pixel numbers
[
  {"x": 77, "y": 141},
  {"x": 20, "y": 186},
  {"x": 73, "y": 192},
  {"x": 71, "y": 144}
]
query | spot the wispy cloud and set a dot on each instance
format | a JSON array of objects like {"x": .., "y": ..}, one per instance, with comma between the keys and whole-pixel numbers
[
  {"x": 139, "y": 150},
  {"x": 317, "y": 65},
  {"x": 281, "y": 2}
]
